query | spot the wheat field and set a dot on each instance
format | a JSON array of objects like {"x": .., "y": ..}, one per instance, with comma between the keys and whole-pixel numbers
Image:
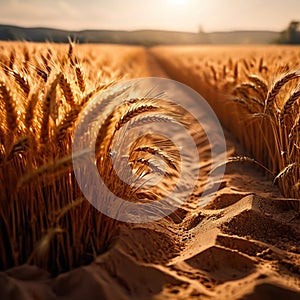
[
  {"x": 45, "y": 220},
  {"x": 43, "y": 90},
  {"x": 255, "y": 93}
]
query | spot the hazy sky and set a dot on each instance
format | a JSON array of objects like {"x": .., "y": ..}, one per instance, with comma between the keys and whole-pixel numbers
[{"x": 183, "y": 15}]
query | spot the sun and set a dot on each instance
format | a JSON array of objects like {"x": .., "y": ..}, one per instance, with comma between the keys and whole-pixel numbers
[{"x": 177, "y": 2}]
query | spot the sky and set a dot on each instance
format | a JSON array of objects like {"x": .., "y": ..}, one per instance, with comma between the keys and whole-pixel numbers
[{"x": 179, "y": 15}]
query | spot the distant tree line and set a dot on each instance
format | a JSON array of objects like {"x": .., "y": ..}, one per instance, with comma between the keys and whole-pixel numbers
[{"x": 291, "y": 35}]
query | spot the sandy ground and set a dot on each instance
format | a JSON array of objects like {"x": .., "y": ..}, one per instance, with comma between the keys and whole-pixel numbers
[{"x": 245, "y": 244}]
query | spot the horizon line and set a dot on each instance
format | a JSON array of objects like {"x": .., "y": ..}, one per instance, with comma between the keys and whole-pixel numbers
[{"x": 141, "y": 29}]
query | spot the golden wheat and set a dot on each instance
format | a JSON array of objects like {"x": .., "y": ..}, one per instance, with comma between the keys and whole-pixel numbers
[
  {"x": 44, "y": 218},
  {"x": 265, "y": 93}
]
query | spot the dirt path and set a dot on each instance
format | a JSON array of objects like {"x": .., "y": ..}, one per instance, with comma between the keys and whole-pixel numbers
[
  {"x": 153, "y": 65},
  {"x": 242, "y": 239}
]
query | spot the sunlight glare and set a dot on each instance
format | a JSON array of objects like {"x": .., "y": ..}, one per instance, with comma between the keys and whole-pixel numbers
[{"x": 177, "y": 2}]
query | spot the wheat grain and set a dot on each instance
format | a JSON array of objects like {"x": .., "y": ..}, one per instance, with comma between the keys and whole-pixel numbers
[
  {"x": 80, "y": 78},
  {"x": 289, "y": 104},
  {"x": 260, "y": 84},
  {"x": 50, "y": 96},
  {"x": 133, "y": 112},
  {"x": 277, "y": 87},
  {"x": 10, "y": 107},
  {"x": 22, "y": 82},
  {"x": 67, "y": 91}
]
